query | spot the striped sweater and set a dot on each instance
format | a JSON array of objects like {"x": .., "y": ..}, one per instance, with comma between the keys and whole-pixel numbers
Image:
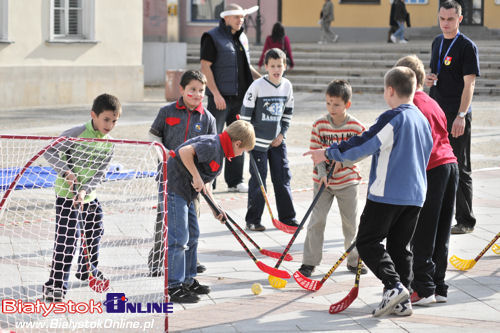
[
  {"x": 269, "y": 108},
  {"x": 324, "y": 133}
]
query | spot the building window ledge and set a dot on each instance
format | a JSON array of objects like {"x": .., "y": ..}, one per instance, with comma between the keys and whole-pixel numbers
[
  {"x": 6, "y": 41},
  {"x": 72, "y": 41}
]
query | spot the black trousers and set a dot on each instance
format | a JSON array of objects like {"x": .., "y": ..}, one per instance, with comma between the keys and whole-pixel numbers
[
  {"x": 233, "y": 172},
  {"x": 396, "y": 224},
  {"x": 461, "y": 148},
  {"x": 69, "y": 224},
  {"x": 432, "y": 234}
]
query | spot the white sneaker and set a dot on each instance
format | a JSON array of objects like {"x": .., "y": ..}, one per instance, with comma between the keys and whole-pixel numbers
[
  {"x": 440, "y": 298},
  {"x": 335, "y": 39},
  {"x": 424, "y": 301},
  {"x": 391, "y": 298},
  {"x": 403, "y": 309},
  {"x": 393, "y": 39},
  {"x": 403, "y": 41},
  {"x": 241, "y": 188}
]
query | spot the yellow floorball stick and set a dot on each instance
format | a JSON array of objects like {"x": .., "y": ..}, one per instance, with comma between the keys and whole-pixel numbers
[{"x": 464, "y": 264}]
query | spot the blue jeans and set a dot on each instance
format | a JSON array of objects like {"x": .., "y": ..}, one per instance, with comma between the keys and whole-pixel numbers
[
  {"x": 400, "y": 33},
  {"x": 183, "y": 234},
  {"x": 280, "y": 176}
]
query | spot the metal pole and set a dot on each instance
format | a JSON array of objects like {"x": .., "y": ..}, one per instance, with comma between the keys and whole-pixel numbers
[{"x": 258, "y": 26}]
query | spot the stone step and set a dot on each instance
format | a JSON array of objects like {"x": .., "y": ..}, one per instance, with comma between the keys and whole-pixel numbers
[
  {"x": 350, "y": 73},
  {"x": 370, "y": 80},
  {"x": 419, "y": 47},
  {"x": 385, "y": 63},
  {"x": 369, "y": 88},
  {"x": 360, "y": 72},
  {"x": 194, "y": 56}
]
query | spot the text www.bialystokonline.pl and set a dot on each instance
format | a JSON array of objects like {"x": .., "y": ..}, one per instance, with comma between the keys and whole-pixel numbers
[{"x": 87, "y": 324}]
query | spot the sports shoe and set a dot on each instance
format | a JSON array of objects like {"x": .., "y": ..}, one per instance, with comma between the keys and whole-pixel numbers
[
  {"x": 52, "y": 295},
  {"x": 424, "y": 301},
  {"x": 292, "y": 223},
  {"x": 402, "y": 41},
  {"x": 85, "y": 275},
  {"x": 256, "y": 227},
  {"x": 335, "y": 39},
  {"x": 440, "y": 298},
  {"x": 394, "y": 39},
  {"x": 241, "y": 188},
  {"x": 182, "y": 295},
  {"x": 354, "y": 269},
  {"x": 306, "y": 270},
  {"x": 200, "y": 268},
  {"x": 391, "y": 298},
  {"x": 198, "y": 288},
  {"x": 403, "y": 309},
  {"x": 460, "y": 229}
]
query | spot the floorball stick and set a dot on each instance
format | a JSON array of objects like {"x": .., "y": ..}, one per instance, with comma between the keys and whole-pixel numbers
[
  {"x": 465, "y": 264},
  {"x": 275, "y": 281},
  {"x": 277, "y": 223},
  {"x": 353, "y": 294},
  {"x": 314, "y": 285}
]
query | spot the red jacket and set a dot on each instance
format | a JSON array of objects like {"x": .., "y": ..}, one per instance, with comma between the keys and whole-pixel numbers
[
  {"x": 441, "y": 153},
  {"x": 283, "y": 45}
]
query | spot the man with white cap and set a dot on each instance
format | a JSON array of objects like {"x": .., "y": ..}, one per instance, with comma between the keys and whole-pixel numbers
[{"x": 225, "y": 61}]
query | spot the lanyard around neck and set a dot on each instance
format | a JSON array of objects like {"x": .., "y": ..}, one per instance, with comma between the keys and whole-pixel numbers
[{"x": 446, "y": 54}]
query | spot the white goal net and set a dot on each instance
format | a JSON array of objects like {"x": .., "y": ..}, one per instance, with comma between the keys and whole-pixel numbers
[{"x": 91, "y": 265}]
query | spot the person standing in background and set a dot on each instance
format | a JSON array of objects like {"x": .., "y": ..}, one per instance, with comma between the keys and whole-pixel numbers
[
  {"x": 454, "y": 68},
  {"x": 225, "y": 61},
  {"x": 278, "y": 39},
  {"x": 326, "y": 18}
]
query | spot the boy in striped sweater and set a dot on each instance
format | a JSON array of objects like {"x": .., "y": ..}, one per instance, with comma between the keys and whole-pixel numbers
[
  {"x": 268, "y": 106},
  {"x": 336, "y": 126}
]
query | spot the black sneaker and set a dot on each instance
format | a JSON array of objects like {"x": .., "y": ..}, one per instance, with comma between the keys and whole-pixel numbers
[
  {"x": 354, "y": 269},
  {"x": 198, "y": 288},
  {"x": 306, "y": 270},
  {"x": 200, "y": 268},
  {"x": 182, "y": 295},
  {"x": 256, "y": 227},
  {"x": 460, "y": 229},
  {"x": 85, "y": 275},
  {"x": 52, "y": 295},
  {"x": 292, "y": 223}
]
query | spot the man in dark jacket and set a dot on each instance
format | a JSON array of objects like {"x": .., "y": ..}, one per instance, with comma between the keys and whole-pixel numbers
[{"x": 225, "y": 61}]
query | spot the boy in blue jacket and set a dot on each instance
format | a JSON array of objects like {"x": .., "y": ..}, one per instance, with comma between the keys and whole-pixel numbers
[{"x": 400, "y": 142}]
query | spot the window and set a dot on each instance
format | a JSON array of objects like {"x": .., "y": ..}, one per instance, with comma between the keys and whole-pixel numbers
[
  {"x": 4, "y": 20},
  {"x": 71, "y": 20},
  {"x": 206, "y": 10}
]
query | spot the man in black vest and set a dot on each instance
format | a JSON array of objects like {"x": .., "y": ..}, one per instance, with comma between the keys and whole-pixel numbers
[{"x": 225, "y": 61}]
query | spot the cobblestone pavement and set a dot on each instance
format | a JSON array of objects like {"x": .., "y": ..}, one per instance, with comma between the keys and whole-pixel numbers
[{"x": 474, "y": 298}]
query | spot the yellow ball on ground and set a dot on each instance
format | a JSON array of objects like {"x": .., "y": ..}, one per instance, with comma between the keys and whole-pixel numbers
[{"x": 256, "y": 288}]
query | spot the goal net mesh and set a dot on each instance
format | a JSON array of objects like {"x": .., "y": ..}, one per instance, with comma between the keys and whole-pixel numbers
[{"x": 51, "y": 247}]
